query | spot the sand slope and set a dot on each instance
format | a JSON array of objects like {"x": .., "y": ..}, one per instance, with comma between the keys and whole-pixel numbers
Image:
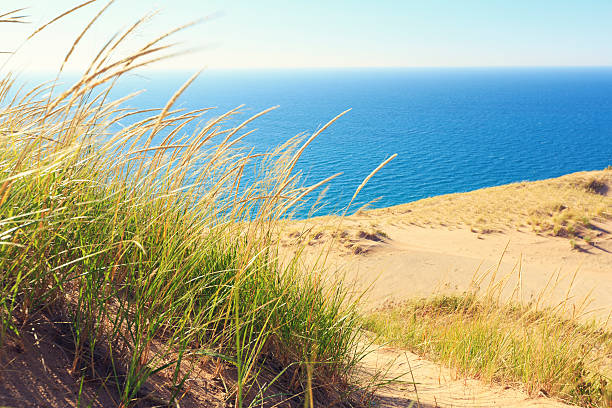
[
  {"x": 418, "y": 261},
  {"x": 516, "y": 233},
  {"x": 542, "y": 231}
]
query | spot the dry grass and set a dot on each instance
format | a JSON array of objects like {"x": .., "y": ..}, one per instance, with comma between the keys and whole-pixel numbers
[
  {"x": 564, "y": 206},
  {"x": 351, "y": 240}
]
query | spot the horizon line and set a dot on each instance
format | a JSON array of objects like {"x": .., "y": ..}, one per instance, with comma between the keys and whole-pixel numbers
[{"x": 352, "y": 67}]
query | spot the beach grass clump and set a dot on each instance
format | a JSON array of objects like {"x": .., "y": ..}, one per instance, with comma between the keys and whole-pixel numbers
[
  {"x": 507, "y": 343},
  {"x": 152, "y": 246}
]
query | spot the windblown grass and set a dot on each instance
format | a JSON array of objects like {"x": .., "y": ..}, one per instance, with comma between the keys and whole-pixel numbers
[
  {"x": 152, "y": 246},
  {"x": 505, "y": 342}
]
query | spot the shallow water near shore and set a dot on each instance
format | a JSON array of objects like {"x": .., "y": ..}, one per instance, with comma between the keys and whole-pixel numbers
[{"x": 454, "y": 130}]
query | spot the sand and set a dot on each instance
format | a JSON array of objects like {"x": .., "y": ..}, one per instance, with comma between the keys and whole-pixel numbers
[
  {"x": 413, "y": 261},
  {"x": 419, "y": 261},
  {"x": 438, "y": 386},
  {"x": 392, "y": 257}
]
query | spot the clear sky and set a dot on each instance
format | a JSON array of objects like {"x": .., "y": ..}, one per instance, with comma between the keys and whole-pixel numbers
[{"x": 335, "y": 33}]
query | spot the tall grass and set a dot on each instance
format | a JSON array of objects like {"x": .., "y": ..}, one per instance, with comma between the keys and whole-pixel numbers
[{"x": 152, "y": 244}]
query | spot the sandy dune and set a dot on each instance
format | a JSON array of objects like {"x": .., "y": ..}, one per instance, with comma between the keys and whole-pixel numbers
[
  {"x": 415, "y": 261},
  {"x": 543, "y": 231},
  {"x": 402, "y": 261},
  {"x": 396, "y": 256},
  {"x": 418, "y": 261}
]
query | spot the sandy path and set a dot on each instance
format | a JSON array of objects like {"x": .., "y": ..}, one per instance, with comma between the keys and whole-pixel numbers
[{"x": 438, "y": 386}]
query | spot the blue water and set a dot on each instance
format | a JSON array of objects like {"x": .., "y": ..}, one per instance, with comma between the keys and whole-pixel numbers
[{"x": 454, "y": 130}]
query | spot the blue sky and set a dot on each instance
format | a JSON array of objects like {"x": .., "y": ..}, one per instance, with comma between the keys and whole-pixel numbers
[{"x": 339, "y": 33}]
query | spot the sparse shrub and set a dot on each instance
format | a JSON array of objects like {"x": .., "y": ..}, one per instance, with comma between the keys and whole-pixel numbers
[
  {"x": 382, "y": 234},
  {"x": 375, "y": 235},
  {"x": 559, "y": 231},
  {"x": 558, "y": 207},
  {"x": 595, "y": 186}
]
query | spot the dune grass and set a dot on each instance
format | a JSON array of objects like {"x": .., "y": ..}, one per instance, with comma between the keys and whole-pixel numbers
[
  {"x": 564, "y": 206},
  {"x": 508, "y": 343},
  {"x": 152, "y": 245}
]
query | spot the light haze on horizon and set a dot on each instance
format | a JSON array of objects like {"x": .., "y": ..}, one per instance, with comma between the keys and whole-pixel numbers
[{"x": 275, "y": 34}]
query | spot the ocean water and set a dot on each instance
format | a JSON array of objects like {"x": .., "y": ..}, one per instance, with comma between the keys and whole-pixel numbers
[{"x": 453, "y": 130}]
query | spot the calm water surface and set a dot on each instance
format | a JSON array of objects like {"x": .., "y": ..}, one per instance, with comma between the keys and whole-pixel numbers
[{"x": 454, "y": 130}]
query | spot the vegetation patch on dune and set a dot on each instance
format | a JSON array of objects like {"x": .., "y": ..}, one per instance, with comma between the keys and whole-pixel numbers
[
  {"x": 565, "y": 206},
  {"x": 506, "y": 343},
  {"x": 354, "y": 240}
]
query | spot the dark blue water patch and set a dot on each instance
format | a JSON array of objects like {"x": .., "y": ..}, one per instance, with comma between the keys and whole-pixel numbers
[{"x": 454, "y": 130}]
